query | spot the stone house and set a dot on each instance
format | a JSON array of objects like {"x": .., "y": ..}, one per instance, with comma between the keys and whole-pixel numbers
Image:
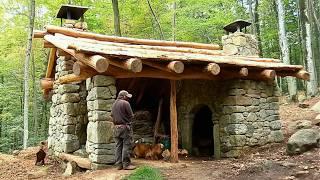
[{"x": 214, "y": 102}]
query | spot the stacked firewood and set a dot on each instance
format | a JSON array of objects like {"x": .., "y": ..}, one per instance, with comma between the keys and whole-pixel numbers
[{"x": 143, "y": 126}]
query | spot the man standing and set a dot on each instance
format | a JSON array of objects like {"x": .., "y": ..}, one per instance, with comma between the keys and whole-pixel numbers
[{"x": 122, "y": 117}]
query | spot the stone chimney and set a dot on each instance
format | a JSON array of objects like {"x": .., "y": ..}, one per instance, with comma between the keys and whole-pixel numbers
[
  {"x": 71, "y": 14},
  {"x": 238, "y": 43}
]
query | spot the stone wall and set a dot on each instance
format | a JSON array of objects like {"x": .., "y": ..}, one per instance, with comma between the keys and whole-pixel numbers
[
  {"x": 100, "y": 144},
  {"x": 245, "y": 113},
  {"x": 191, "y": 95},
  {"x": 250, "y": 116},
  {"x": 240, "y": 44},
  {"x": 68, "y": 118}
]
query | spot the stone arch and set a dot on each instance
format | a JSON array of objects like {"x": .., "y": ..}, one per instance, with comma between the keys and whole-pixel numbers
[{"x": 189, "y": 135}]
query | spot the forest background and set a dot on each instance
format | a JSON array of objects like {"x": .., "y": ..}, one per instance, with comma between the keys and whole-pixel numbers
[{"x": 286, "y": 29}]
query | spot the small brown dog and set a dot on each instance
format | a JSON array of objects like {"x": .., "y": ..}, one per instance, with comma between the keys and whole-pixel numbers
[
  {"x": 148, "y": 151},
  {"x": 41, "y": 155}
]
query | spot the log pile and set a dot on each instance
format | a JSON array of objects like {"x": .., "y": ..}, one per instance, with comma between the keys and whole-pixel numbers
[
  {"x": 142, "y": 126},
  {"x": 123, "y": 57}
]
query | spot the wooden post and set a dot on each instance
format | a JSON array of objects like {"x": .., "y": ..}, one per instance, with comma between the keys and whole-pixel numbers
[{"x": 173, "y": 122}]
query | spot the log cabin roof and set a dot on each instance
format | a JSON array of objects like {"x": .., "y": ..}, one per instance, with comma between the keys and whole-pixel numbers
[{"x": 123, "y": 57}]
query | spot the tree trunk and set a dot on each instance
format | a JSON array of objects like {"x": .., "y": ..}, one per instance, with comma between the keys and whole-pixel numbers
[
  {"x": 257, "y": 26},
  {"x": 35, "y": 106},
  {"x": 292, "y": 84},
  {"x": 26, "y": 75},
  {"x": 314, "y": 14},
  {"x": 156, "y": 19},
  {"x": 312, "y": 85},
  {"x": 253, "y": 30},
  {"x": 174, "y": 21},
  {"x": 116, "y": 17}
]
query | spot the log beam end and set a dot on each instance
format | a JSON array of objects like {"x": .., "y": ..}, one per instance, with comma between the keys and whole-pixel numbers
[
  {"x": 244, "y": 72},
  {"x": 303, "y": 74},
  {"x": 176, "y": 66},
  {"x": 268, "y": 74},
  {"x": 213, "y": 68},
  {"x": 101, "y": 64},
  {"x": 134, "y": 65}
]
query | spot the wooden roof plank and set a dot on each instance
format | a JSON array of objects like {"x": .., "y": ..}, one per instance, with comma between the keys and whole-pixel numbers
[{"x": 74, "y": 33}]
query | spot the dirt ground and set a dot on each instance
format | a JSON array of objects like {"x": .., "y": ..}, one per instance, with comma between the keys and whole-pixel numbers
[{"x": 268, "y": 162}]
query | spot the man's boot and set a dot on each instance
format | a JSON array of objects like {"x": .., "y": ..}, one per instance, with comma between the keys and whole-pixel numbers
[
  {"x": 130, "y": 167},
  {"x": 120, "y": 167}
]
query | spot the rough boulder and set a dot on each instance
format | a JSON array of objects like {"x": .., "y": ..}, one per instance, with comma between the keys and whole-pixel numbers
[{"x": 303, "y": 140}]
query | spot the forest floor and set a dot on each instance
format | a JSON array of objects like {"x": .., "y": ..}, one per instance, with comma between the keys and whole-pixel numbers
[{"x": 268, "y": 162}]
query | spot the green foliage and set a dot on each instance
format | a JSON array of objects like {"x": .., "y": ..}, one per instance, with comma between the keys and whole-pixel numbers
[{"x": 145, "y": 173}]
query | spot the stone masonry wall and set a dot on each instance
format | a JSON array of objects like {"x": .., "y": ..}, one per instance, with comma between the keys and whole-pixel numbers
[
  {"x": 250, "y": 116},
  {"x": 245, "y": 113},
  {"x": 68, "y": 118},
  {"x": 191, "y": 95},
  {"x": 240, "y": 44},
  {"x": 100, "y": 144}
]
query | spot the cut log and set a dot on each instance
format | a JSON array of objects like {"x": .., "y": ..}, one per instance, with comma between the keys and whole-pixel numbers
[
  {"x": 267, "y": 74},
  {"x": 213, "y": 68},
  {"x": 234, "y": 73},
  {"x": 173, "y": 122},
  {"x": 243, "y": 72},
  {"x": 39, "y": 34},
  {"x": 81, "y": 162},
  {"x": 47, "y": 44},
  {"x": 80, "y": 69},
  {"x": 132, "y": 64},
  {"x": 159, "y": 48},
  {"x": 74, "y": 33},
  {"x": 51, "y": 61},
  {"x": 188, "y": 57},
  {"x": 97, "y": 62},
  {"x": 73, "y": 78},
  {"x": 302, "y": 74},
  {"x": 81, "y": 72},
  {"x": 174, "y": 66},
  {"x": 46, "y": 83}
]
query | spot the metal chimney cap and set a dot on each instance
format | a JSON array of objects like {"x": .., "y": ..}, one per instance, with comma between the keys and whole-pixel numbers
[
  {"x": 237, "y": 25},
  {"x": 67, "y": 11}
]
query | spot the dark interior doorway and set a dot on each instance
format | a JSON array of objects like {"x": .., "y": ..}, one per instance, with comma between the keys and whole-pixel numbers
[
  {"x": 147, "y": 93},
  {"x": 202, "y": 132}
]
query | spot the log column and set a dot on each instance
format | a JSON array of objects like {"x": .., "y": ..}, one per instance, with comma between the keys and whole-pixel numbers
[{"x": 173, "y": 122}]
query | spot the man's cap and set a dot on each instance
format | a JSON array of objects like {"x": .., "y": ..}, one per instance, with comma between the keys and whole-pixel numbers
[{"x": 124, "y": 93}]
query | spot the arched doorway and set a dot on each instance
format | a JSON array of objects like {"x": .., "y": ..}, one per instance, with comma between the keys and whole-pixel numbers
[{"x": 202, "y": 132}]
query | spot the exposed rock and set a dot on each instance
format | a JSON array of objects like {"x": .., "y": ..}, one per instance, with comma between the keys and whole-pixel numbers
[
  {"x": 301, "y": 173},
  {"x": 316, "y": 107},
  {"x": 303, "y": 124},
  {"x": 38, "y": 174},
  {"x": 15, "y": 152},
  {"x": 71, "y": 169},
  {"x": 303, "y": 140},
  {"x": 101, "y": 80},
  {"x": 303, "y": 105},
  {"x": 237, "y": 129},
  {"x": 277, "y": 136},
  {"x": 100, "y": 132},
  {"x": 81, "y": 153}
]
